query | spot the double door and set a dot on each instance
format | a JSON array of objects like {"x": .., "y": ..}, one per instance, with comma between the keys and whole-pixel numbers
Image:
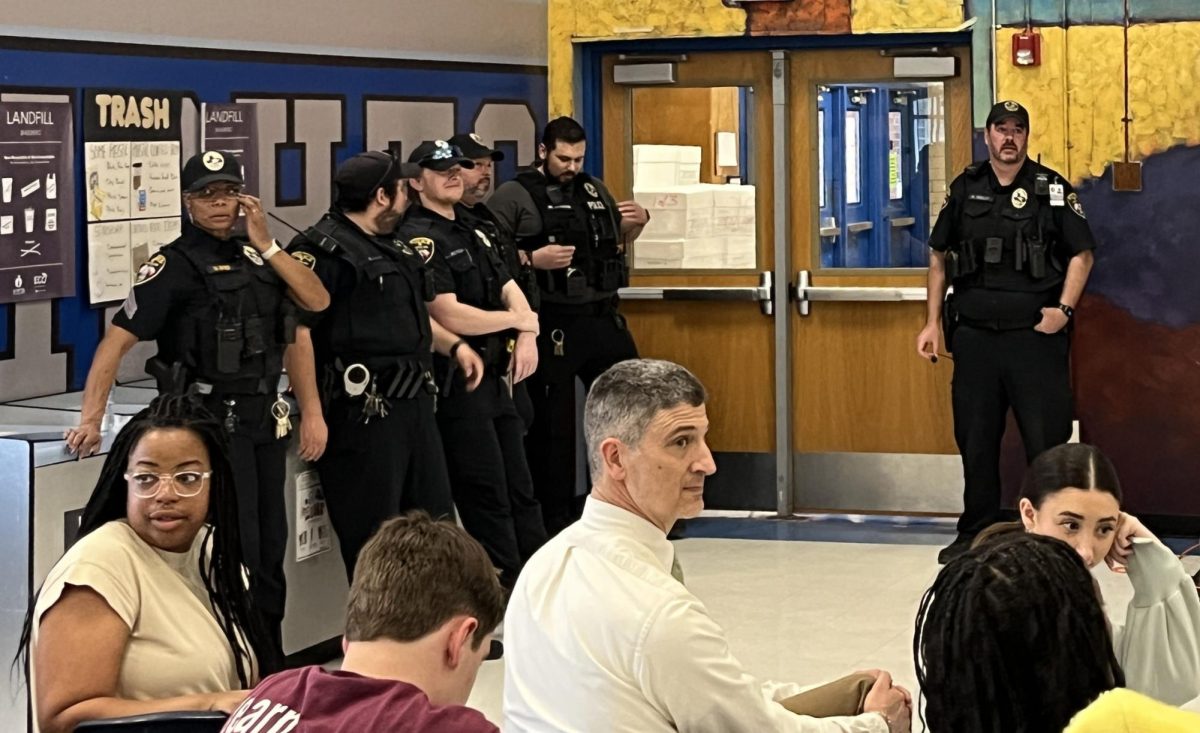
[{"x": 791, "y": 195}]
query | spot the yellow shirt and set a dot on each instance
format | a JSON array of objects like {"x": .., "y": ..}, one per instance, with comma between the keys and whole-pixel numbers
[
  {"x": 176, "y": 646},
  {"x": 1125, "y": 711}
]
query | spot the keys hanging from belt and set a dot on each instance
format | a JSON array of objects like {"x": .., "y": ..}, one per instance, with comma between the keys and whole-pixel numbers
[
  {"x": 281, "y": 411},
  {"x": 231, "y": 419},
  {"x": 558, "y": 338},
  {"x": 374, "y": 404}
]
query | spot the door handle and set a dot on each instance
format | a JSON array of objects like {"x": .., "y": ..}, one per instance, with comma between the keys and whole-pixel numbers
[
  {"x": 804, "y": 293},
  {"x": 762, "y": 294}
]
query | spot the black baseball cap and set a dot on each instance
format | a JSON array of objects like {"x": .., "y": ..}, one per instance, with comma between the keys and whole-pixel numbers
[
  {"x": 472, "y": 147},
  {"x": 358, "y": 177},
  {"x": 439, "y": 155},
  {"x": 1005, "y": 109},
  {"x": 211, "y": 166}
]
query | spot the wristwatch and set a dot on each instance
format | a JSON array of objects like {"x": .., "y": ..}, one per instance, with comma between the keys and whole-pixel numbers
[
  {"x": 1067, "y": 310},
  {"x": 271, "y": 251}
]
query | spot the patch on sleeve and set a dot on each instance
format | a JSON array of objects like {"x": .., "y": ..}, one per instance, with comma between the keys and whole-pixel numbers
[
  {"x": 252, "y": 254},
  {"x": 305, "y": 258},
  {"x": 424, "y": 247},
  {"x": 1073, "y": 202},
  {"x": 150, "y": 269}
]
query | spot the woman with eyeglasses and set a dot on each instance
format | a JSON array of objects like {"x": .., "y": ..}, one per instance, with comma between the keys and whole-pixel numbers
[{"x": 148, "y": 611}]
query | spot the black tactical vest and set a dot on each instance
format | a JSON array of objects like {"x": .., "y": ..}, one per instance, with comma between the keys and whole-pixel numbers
[
  {"x": 385, "y": 318},
  {"x": 475, "y": 266},
  {"x": 248, "y": 321},
  {"x": 1009, "y": 241},
  {"x": 523, "y": 274},
  {"x": 576, "y": 214}
]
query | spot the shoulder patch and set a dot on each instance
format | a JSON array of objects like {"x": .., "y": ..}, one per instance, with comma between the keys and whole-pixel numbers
[
  {"x": 591, "y": 189},
  {"x": 1073, "y": 202},
  {"x": 305, "y": 258},
  {"x": 424, "y": 247},
  {"x": 150, "y": 269}
]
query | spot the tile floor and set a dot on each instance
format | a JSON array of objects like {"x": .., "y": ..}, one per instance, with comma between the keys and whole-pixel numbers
[{"x": 810, "y": 611}]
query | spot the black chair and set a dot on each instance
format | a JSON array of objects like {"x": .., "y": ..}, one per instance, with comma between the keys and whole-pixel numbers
[{"x": 192, "y": 721}]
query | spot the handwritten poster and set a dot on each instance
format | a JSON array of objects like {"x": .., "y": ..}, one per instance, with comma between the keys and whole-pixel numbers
[
  {"x": 131, "y": 184},
  {"x": 37, "y": 208}
]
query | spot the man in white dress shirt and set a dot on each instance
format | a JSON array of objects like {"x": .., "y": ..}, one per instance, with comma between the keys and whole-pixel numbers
[{"x": 599, "y": 635}]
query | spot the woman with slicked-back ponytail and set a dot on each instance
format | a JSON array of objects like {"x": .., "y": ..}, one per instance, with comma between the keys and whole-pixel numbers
[
  {"x": 149, "y": 611},
  {"x": 1072, "y": 492}
]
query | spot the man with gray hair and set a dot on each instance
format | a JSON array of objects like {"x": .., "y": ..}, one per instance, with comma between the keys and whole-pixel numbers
[{"x": 599, "y": 635}]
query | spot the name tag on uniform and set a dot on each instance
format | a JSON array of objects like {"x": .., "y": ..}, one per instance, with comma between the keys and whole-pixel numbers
[{"x": 1056, "y": 195}]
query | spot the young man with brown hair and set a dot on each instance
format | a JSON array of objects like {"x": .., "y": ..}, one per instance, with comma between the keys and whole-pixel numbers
[{"x": 422, "y": 606}]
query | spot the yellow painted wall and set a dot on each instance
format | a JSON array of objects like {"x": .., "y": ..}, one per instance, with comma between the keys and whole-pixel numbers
[
  {"x": 902, "y": 16},
  {"x": 576, "y": 19},
  {"x": 1164, "y": 73}
]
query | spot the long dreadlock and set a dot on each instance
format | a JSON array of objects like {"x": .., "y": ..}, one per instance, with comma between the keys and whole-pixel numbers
[
  {"x": 1012, "y": 638},
  {"x": 221, "y": 564}
]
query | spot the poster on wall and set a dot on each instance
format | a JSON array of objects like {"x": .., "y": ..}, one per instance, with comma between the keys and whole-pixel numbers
[
  {"x": 37, "y": 222},
  {"x": 131, "y": 183},
  {"x": 233, "y": 128},
  {"x": 314, "y": 532}
]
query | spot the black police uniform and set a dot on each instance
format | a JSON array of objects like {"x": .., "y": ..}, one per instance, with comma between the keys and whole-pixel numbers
[
  {"x": 1007, "y": 251},
  {"x": 377, "y": 462},
  {"x": 481, "y": 430},
  {"x": 582, "y": 334},
  {"x": 222, "y": 320},
  {"x": 525, "y": 278}
]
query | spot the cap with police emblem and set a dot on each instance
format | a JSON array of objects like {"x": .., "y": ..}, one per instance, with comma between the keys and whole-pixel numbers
[
  {"x": 1007, "y": 108},
  {"x": 472, "y": 147},
  {"x": 212, "y": 166},
  {"x": 439, "y": 155}
]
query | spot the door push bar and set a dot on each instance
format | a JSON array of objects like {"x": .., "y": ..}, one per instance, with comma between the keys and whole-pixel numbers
[
  {"x": 804, "y": 293},
  {"x": 762, "y": 294}
]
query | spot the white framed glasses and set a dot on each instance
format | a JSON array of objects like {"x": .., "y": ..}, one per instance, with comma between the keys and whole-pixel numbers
[{"x": 146, "y": 484}]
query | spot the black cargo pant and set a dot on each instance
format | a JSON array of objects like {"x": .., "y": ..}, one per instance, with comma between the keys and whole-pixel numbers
[
  {"x": 482, "y": 435},
  {"x": 993, "y": 371},
  {"x": 372, "y": 471},
  {"x": 594, "y": 337},
  {"x": 259, "y": 461}
]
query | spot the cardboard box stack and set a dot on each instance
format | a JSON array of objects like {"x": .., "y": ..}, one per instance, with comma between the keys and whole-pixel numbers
[{"x": 692, "y": 225}]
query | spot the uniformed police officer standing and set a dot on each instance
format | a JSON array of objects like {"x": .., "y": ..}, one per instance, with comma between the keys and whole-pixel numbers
[
  {"x": 576, "y": 235},
  {"x": 478, "y": 299},
  {"x": 371, "y": 355},
  {"x": 477, "y": 184},
  {"x": 218, "y": 306},
  {"x": 1013, "y": 240}
]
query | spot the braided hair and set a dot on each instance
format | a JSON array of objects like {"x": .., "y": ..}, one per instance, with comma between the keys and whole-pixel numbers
[
  {"x": 221, "y": 565},
  {"x": 1012, "y": 638}
]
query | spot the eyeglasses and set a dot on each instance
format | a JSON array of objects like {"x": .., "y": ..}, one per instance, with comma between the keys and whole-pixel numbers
[
  {"x": 146, "y": 485},
  {"x": 208, "y": 193}
]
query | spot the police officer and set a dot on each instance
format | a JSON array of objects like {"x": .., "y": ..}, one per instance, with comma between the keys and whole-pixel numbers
[
  {"x": 477, "y": 185},
  {"x": 576, "y": 235},
  {"x": 1013, "y": 239},
  {"x": 218, "y": 306},
  {"x": 369, "y": 424},
  {"x": 477, "y": 298}
]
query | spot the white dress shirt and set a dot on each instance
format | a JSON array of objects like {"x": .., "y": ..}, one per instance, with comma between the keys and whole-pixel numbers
[{"x": 600, "y": 637}]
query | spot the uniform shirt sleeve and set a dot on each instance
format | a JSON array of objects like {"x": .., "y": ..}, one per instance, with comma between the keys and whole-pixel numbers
[
  {"x": 1072, "y": 222},
  {"x": 945, "y": 229},
  {"x": 1159, "y": 646},
  {"x": 515, "y": 212},
  {"x": 163, "y": 283},
  {"x": 329, "y": 270},
  {"x": 687, "y": 672},
  {"x": 436, "y": 267}
]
